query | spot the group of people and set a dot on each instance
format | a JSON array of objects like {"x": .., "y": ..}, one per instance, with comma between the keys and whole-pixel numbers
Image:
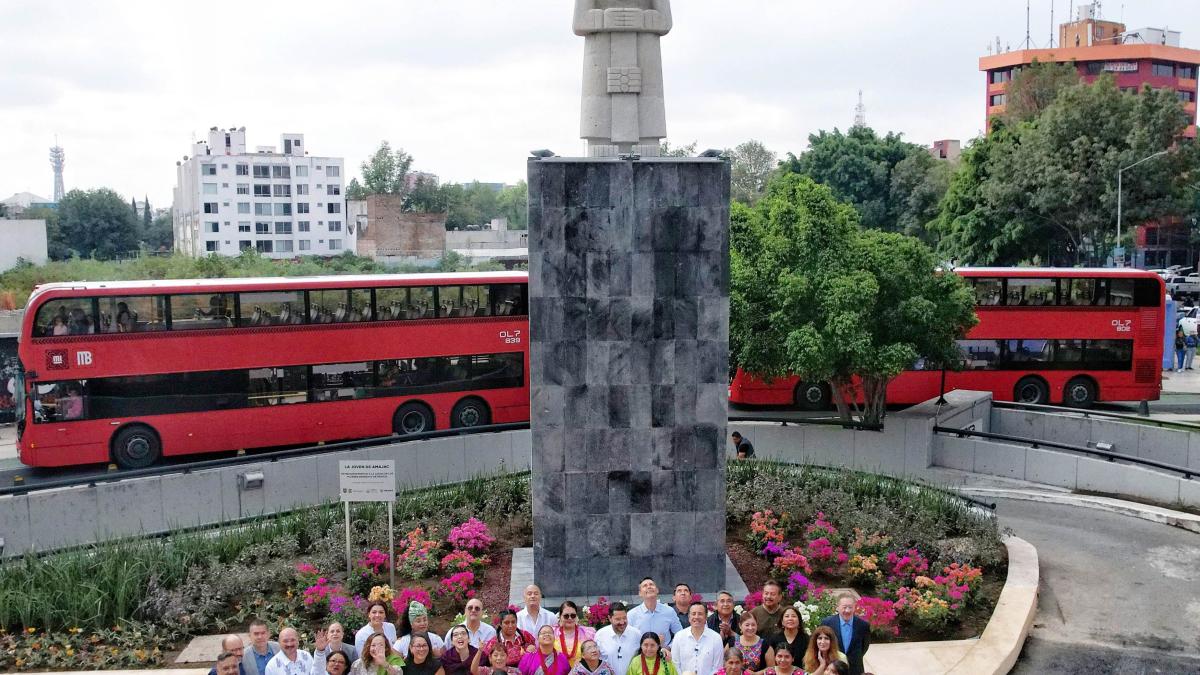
[{"x": 651, "y": 638}]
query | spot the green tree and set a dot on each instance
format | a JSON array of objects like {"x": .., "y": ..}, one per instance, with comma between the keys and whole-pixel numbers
[
  {"x": 384, "y": 173},
  {"x": 133, "y": 206},
  {"x": 94, "y": 223},
  {"x": 355, "y": 190},
  {"x": 147, "y": 216},
  {"x": 919, "y": 182},
  {"x": 427, "y": 196},
  {"x": 513, "y": 202},
  {"x": 814, "y": 293},
  {"x": 1046, "y": 189},
  {"x": 752, "y": 165},
  {"x": 665, "y": 150},
  {"x": 1035, "y": 87},
  {"x": 159, "y": 235}
]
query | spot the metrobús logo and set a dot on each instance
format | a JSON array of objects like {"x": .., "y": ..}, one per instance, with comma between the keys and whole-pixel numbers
[
  {"x": 1123, "y": 325},
  {"x": 56, "y": 359}
]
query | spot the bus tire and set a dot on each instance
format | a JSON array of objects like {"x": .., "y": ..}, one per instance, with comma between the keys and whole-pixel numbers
[
  {"x": 470, "y": 412},
  {"x": 412, "y": 418},
  {"x": 1080, "y": 392},
  {"x": 1031, "y": 389},
  {"x": 812, "y": 396},
  {"x": 136, "y": 446}
]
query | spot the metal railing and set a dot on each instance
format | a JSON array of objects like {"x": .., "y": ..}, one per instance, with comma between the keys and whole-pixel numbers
[
  {"x": 92, "y": 480},
  {"x": 1087, "y": 413},
  {"x": 1035, "y": 443},
  {"x": 815, "y": 421}
]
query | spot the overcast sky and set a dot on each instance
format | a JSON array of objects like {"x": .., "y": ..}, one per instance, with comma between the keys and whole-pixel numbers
[{"x": 468, "y": 87}]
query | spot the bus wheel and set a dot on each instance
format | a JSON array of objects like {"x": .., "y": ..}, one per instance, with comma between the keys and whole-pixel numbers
[
  {"x": 470, "y": 412},
  {"x": 1080, "y": 393},
  {"x": 136, "y": 447},
  {"x": 812, "y": 396},
  {"x": 1031, "y": 390},
  {"x": 412, "y": 418}
]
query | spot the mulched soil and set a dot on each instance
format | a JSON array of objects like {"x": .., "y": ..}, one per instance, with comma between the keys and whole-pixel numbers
[{"x": 754, "y": 568}]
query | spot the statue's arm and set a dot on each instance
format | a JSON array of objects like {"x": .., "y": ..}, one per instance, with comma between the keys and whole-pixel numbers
[
  {"x": 588, "y": 19},
  {"x": 663, "y": 7}
]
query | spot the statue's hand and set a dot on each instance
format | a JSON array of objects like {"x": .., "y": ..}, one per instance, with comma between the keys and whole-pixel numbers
[
  {"x": 623, "y": 19},
  {"x": 591, "y": 21},
  {"x": 655, "y": 22}
]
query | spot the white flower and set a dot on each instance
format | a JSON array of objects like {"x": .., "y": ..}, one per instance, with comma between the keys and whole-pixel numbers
[
  {"x": 738, "y": 609},
  {"x": 586, "y": 609}
]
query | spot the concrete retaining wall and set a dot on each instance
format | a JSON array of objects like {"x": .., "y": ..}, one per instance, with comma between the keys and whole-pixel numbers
[
  {"x": 1172, "y": 446},
  {"x": 79, "y": 515}
]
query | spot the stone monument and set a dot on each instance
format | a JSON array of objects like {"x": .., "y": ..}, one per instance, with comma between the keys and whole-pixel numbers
[
  {"x": 624, "y": 107},
  {"x": 629, "y": 331}
]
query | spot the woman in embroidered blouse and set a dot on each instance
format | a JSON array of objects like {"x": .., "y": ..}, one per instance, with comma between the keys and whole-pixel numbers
[
  {"x": 545, "y": 660},
  {"x": 650, "y": 661},
  {"x": 460, "y": 658},
  {"x": 377, "y": 658},
  {"x": 785, "y": 664},
  {"x": 735, "y": 663},
  {"x": 753, "y": 648},
  {"x": 790, "y": 636},
  {"x": 591, "y": 663},
  {"x": 822, "y": 652},
  {"x": 570, "y": 634},
  {"x": 516, "y": 642}
]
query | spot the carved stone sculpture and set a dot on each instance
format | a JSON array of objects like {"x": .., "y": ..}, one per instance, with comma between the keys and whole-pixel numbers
[{"x": 624, "y": 109}]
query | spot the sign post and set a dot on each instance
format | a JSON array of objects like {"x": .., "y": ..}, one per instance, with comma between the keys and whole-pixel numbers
[{"x": 370, "y": 481}]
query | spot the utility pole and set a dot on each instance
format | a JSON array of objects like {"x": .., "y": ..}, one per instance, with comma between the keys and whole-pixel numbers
[{"x": 1119, "y": 261}]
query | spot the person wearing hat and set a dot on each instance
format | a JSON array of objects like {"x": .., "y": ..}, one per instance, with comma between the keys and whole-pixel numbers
[{"x": 415, "y": 621}]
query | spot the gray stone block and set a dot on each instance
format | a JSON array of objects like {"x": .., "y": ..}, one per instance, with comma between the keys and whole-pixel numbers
[
  {"x": 951, "y": 452},
  {"x": 1051, "y": 467},
  {"x": 1099, "y": 475},
  {"x": 1163, "y": 445},
  {"x": 194, "y": 499},
  {"x": 998, "y": 459},
  {"x": 63, "y": 517},
  {"x": 1189, "y": 492},
  {"x": 130, "y": 507},
  {"x": 14, "y": 524},
  {"x": 880, "y": 451},
  {"x": 1123, "y": 436}
]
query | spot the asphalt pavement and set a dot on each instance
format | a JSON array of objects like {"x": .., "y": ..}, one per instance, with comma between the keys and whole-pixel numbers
[{"x": 1117, "y": 595}]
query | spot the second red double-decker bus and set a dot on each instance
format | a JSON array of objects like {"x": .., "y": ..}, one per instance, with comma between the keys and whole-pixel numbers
[
  {"x": 1045, "y": 335},
  {"x": 131, "y": 371}
]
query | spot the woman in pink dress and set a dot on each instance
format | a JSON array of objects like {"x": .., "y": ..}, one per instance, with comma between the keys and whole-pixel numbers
[{"x": 545, "y": 660}]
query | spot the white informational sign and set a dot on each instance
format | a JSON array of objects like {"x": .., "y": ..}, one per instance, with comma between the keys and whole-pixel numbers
[
  {"x": 1121, "y": 67},
  {"x": 367, "y": 481}
]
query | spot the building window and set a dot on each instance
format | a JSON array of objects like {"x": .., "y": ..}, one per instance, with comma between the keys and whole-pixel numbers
[
  {"x": 212, "y": 227},
  {"x": 210, "y": 246},
  {"x": 282, "y": 190},
  {"x": 334, "y": 207},
  {"x": 283, "y": 246},
  {"x": 333, "y": 171},
  {"x": 998, "y": 99},
  {"x": 302, "y": 225},
  {"x": 262, "y": 190},
  {"x": 998, "y": 76},
  {"x": 243, "y": 226},
  {"x": 262, "y": 209},
  {"x": 301, "y": 171},
  {"x": 283, "y": 227},
  {"x": 283, "y": 209},
  {"x": 1186, "y": 96},
  {"x": 1186, "y": 72},
  {"x": 264, "y": 246},
  {"x": 302, "y": 188},
  {"x": 302, "y": 207},
  {"x": 208, "y": 169},
  {"x": 305, "y": 244},
  {"x": 262, "y": 228},
  {"x": 1094, "y": 67},
  {"x": 281, "y": 171},
  {"x": 335, "y": 226},
  {"x": 243, "y": 207},
  {"x": 208, "y": 188},
  {"x": 245, "y": 245},
  {"x": 262, "y": 171},
  {"x": 243, "y": 188},
  {"x": 335, "y": 244},
  {"x": 333, "y": 189},
  {"x": 210, "y": 207},
  {"x": 1162, "y": 69},
  {"x": 243, "y": 169}
]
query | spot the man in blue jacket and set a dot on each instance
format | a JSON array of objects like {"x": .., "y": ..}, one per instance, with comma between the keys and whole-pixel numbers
[{"x": 853, "y": 633}]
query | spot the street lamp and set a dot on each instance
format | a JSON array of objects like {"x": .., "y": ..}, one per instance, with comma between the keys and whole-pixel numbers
[{"x": 1119, "y": 172}]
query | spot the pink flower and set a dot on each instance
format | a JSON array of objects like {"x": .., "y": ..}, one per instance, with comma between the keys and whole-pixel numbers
[{"x": 472, "y": 535}]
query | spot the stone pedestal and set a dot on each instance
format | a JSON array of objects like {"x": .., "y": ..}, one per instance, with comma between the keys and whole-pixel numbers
[{"x": 629, "y": 331}]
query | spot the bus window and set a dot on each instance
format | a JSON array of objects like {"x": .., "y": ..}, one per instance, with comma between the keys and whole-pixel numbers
[
  {"x": 1027, "y": 354},
  {"x": 197, "y": 311},
  {"x": 980, "y": 354},
  {"x": 1120, "y": 292},
  {"x": 328, "y": 306},
  {"x": 988, "y": 292},
  {"x": 278, "y": 386},
  {"x": 341, "y": 381},
  {"x": 1109, "y": 355},
  {"x": 477, "y": 302},
  {"x": 1068, "y": 353},
  {"x": 509, "y": 300},
  {"x": 450, "y": 302},
  {"x": 59, "y": 401},
  {"x": 271, "y": 308},
  {"x": 1031, "y": 292},
  {"x": 1082, "y": 292},
  {"x": 164, "y": 394},
  {"x": 73, "y": 316},
  {"x": 1147, "y": 293},
  {"x": 360, "y": 305},
  {"x": 133, "y": 314},
  {"x": 397, "y": 304}
]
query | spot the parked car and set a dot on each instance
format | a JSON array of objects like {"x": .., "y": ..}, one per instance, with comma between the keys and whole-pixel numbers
[
  {"x": 1189, "y": 320},
  {"x": 1181, "y": 286}
]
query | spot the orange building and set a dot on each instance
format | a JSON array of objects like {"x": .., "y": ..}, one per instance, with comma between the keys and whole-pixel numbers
[{"x": 1146, "y": 56}]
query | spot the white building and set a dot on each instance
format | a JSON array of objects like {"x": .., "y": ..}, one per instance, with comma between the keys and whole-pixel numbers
[
  {"x": 283, "y": 204},
  {"x": 22, "y": 240}
]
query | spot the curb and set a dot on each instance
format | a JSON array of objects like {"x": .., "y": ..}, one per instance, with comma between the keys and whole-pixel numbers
[
  {"x": 998, "y": 648},
  {"x": 1154, "y": 514}
]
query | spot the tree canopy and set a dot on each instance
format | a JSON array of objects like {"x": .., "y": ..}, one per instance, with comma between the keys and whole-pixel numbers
[
  {"x": 96, "y": 223},
  {"x": 812, "y": 292},
  {"x": 752, "y": 165},
  {"x": 383, "y": 173}
]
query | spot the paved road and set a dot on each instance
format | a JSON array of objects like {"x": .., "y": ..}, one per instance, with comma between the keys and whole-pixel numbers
[{"x": 1118, "y": 595}]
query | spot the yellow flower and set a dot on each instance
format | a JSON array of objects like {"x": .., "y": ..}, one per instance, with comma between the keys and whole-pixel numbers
[
  {"x": 70, "y": 652},
  {"x": 31, "y": 631}
]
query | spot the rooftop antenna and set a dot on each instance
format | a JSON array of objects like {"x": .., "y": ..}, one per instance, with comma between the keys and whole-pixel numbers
[
  {"x": 1028, "y": 39},
  {"x": 1051, "y": 24},
  {"x": 860, "y": 112}
]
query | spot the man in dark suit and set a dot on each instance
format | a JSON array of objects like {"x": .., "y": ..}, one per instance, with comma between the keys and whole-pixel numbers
[{"x": 853, "y": 633}]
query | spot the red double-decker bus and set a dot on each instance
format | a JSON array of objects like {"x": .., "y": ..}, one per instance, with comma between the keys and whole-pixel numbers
[
  {"x": 131, "y": 371},
  {"x": 1045, "y": 335}
]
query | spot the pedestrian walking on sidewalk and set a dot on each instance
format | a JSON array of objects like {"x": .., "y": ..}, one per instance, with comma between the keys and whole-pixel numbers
[
  {"x": 1189, "y": 351},
  {"x": 1180, "y": 349}
]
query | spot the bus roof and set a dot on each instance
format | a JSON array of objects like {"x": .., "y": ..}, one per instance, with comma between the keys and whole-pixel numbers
[
  {"x": 1054, "y": 272},
  {"x": 163, "y": 286}
]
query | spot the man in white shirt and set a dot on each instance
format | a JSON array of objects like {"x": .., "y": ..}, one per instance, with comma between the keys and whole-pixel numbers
[
  {"x": 290, "y": 660},
  {"x": 619, "y": 641},
  {"x": 653, "y": 616},
  {"x": 534, "y": 616},
  {"x": 477, "y": 630},
  {"x": 697, "y": 648}
]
